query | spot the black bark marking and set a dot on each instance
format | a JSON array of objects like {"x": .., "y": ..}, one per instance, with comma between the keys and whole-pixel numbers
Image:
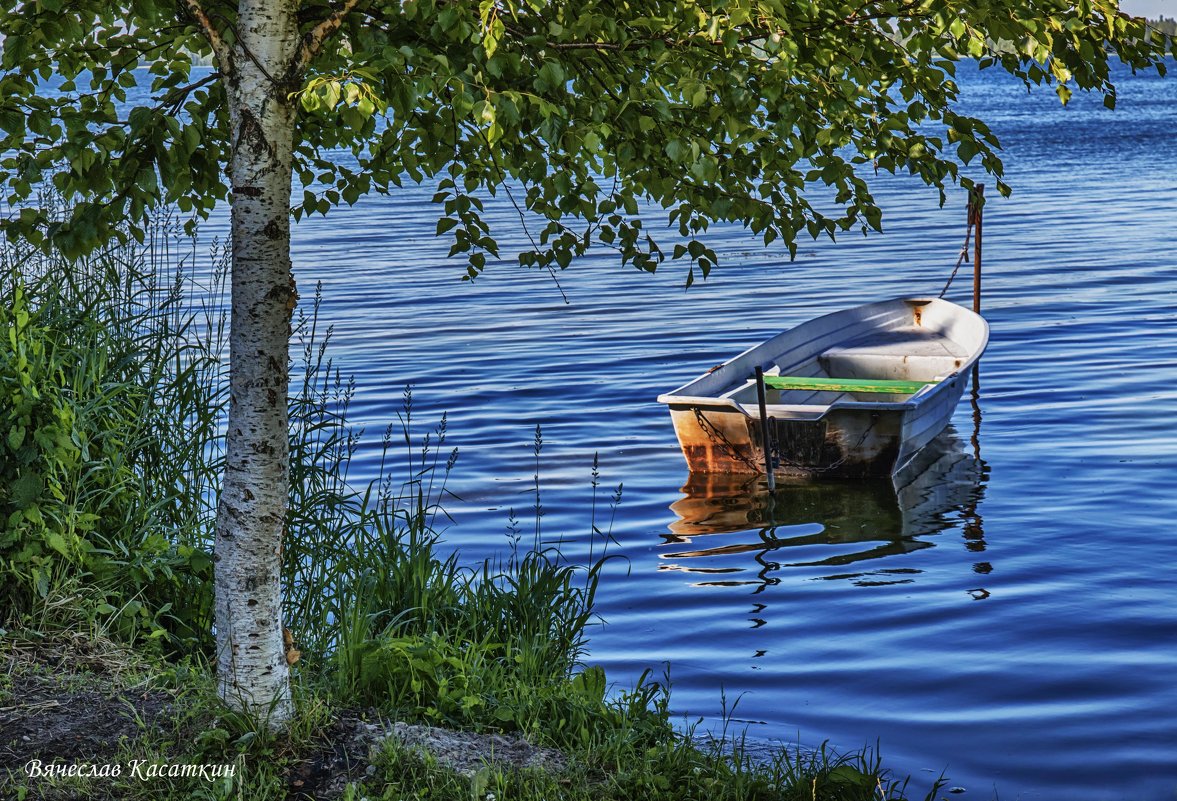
[
  {"x": 251, "y": 131},
  {"x": 272, "y": 230}
]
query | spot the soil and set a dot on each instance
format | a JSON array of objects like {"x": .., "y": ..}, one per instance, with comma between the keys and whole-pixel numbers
[
  {"x": 52, "y": 712},
  {"x": 343, "y": 755},
  {"x": 64, "y": 706}
]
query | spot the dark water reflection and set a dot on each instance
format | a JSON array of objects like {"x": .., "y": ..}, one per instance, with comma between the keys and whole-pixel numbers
[{"x": 831, "y": 524}]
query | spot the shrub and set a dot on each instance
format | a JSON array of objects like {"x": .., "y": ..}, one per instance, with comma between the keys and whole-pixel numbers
[{"x": 107, "y": 422}]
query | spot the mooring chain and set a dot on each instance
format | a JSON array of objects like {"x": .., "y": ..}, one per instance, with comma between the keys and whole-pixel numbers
[
  {"x": 781, "y": 461},
  {"x": 715, "y": 435},
  {"x": 964, "y": 253}
]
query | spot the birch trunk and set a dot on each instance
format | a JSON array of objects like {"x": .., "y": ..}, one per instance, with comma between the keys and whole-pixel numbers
[{"x": 251, "y": 659}]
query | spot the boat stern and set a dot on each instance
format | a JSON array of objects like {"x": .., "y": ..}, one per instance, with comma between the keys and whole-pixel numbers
[{"x": 838, "y": 444}]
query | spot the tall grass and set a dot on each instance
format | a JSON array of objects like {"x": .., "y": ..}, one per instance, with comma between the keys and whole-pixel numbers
[
  {"x": 376, "y": 596},
  {"x": 368, "y": 575}
]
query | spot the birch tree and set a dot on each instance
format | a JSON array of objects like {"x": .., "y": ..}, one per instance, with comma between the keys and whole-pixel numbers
[{"x": 624, "y": 124}]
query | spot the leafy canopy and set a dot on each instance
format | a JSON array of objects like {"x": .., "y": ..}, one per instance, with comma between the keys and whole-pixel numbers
[{"x": 585, "y": 112}]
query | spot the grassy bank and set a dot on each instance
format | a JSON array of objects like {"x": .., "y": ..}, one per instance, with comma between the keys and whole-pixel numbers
[{"x": 113, "y": 389}]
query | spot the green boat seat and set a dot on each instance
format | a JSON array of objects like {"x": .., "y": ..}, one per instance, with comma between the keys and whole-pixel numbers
[{"x": 889, "y": 387}]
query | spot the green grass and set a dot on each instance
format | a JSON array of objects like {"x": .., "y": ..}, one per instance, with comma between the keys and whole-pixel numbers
[
  {"x": 615, "y": 745},
  {"x": 118, "y": 360}
]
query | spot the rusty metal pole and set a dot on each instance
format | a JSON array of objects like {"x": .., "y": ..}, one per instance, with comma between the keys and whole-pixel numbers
[
  {"x": 976, "y": 198},
  {"x": 976, "y": 215},
  {"x": 764, "y": 429}
]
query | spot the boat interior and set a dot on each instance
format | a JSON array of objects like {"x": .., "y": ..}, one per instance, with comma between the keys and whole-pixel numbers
[{"x": 909, "y": 353}]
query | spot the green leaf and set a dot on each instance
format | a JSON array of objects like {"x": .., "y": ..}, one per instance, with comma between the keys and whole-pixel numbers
[
  {"x": 26, "y": 490},
  {"x": 677, "y": 150},
  {"x": 200, "y": 562},
  {"x": 492, "y": 37},
  {"x": 550, "y": 77},
  {"x": 590, "y": 684},
  {"x": 57, "y": 543},
  {"x": 848, "y": 774}
]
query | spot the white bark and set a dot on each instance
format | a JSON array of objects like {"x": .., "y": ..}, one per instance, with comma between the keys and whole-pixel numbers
[{"x": 251, "y": 660}]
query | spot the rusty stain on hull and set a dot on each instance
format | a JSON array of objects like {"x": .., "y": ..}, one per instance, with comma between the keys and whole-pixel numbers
[
  {"x": 714, "y": 441},
  {"x": 848, "y": 445},
  {"x": 917, "y": 310}
]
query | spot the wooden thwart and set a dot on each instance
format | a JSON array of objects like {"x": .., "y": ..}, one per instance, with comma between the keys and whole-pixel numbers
[{"x": 845, "y": 384}]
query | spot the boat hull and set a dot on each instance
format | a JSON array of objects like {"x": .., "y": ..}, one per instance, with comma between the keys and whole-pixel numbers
[
  {"x": 847, "y": 436},
  {"x": 844, "y": 445}
]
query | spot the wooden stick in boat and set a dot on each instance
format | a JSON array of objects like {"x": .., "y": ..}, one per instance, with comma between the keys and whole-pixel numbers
[{"x": 764, "y": 428}]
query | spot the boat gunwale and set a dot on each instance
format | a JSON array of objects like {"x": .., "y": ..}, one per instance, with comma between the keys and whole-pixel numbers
[{"x": 675, "y": 399}]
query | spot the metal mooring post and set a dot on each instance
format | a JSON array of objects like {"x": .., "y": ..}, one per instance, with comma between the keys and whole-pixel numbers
[
  {"x": 976, "y": 199},
  {"x": 764, "y": 429}
]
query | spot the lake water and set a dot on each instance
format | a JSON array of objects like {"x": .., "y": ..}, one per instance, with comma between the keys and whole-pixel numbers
[{"x": 1010, "y": 618}]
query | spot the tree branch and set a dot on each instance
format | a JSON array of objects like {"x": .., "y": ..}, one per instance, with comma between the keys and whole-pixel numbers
[
  {"x": 594, "y": 46},
  {"x": 210, "y": 32},
  {"x": 313, "y": 41},
  {"x": 172, "y": 99}
]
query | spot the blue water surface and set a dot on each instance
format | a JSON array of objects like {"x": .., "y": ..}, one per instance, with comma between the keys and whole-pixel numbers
[{"x": 1014, "y": 628}]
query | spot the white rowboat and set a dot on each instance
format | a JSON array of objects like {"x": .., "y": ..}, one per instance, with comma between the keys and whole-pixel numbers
[{"x": 855, "y": 393}]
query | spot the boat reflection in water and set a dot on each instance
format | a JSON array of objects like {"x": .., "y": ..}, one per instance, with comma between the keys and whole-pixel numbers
[{"x": 828, "y": 528}]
